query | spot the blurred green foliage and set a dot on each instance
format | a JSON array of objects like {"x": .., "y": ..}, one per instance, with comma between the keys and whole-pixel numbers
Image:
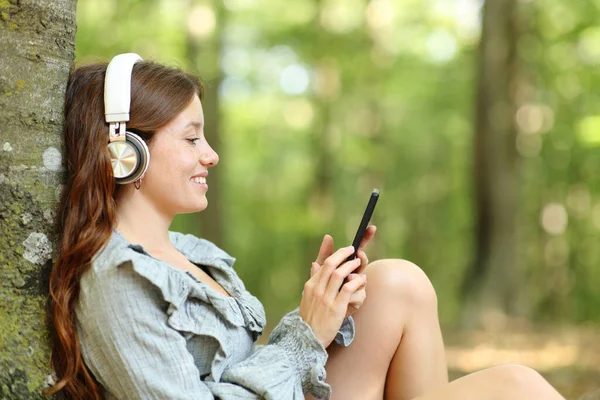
[{"x": 323, "y": 100}]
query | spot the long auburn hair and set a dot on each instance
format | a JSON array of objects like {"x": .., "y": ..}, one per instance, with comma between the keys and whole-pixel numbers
[{"x": 86, "y": 213}]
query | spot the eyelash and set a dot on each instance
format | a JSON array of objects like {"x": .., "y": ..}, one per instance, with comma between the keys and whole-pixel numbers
[{"x": 193, "y": 141}]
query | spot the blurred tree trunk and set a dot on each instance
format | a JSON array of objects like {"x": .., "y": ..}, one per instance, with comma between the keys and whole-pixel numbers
[
  {"x": 491, "y": 284},
  {"x": 203, "y": 51},
  {"x": 336, "y": 213},
  {"x": 37, "y": 48},
  {"x": 320, "y": 196}
]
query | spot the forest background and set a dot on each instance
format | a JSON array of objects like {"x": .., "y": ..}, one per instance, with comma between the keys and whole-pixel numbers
[
  {"x": 480, "y": 126},
  {"x": 479, "y": 121}
]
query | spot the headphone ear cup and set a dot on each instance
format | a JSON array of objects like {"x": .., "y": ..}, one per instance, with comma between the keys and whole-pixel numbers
[{"x": 129, "y": 158}]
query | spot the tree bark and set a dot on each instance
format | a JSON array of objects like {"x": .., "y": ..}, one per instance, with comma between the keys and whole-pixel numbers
[
  {"x": 37, "y": 48},
  {"x": 491, "y": 284},
  {"x": 204, "y": 54}
]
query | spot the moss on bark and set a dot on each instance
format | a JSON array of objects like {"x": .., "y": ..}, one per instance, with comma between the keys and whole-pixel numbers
[{"x": 38, "y": 40}]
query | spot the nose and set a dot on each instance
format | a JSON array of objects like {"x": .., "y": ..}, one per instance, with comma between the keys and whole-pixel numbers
[{"x": 209, "y": 157}]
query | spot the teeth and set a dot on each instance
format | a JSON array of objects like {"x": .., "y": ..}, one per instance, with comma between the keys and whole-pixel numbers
[{"x": 199, "y": 179}]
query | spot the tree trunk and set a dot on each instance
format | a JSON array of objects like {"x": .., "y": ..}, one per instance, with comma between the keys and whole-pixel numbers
[
  {"x": 321, "y": 196},
  {"x": 491, "y": 285},
  {"x": 37, "y": 47},
  {"x": 203, "y": 53}
]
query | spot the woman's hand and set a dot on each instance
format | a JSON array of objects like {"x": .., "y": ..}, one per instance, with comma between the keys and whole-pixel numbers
[
  {"x": 358, "y": 297},
  {"x": 327, "y": 248},
  {"x": 324, "y": 306}
]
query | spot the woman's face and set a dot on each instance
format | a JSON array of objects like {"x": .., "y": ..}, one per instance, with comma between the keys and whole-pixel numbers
[{"x": 176, "y": 179}]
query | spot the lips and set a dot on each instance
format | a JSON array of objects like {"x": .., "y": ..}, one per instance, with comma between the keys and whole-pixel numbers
[{"x": 203, "y": 174}]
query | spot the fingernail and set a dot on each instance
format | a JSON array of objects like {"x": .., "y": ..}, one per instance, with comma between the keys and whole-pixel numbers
[{"x": 350, "y": 247}]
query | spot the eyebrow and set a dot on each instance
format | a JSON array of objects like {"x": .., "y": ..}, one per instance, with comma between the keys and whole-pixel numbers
[{"x": 195, "y": 124}]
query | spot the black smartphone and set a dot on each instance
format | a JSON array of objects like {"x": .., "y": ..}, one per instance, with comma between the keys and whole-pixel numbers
[{"x": 364, "y": 223}]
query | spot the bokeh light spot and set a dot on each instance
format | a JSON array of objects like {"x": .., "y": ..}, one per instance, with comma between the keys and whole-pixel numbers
[
  {"x": 441, "y": 46},
  {"x": 294, "y": 79},
  {"x": 554, "y": 218},
  {"x": 298, "y": 113},
  {"x": 201, "y": 21}
]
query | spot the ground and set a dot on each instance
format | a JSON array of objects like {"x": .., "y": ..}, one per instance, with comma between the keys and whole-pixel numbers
[{"x": 568, "y": 357}]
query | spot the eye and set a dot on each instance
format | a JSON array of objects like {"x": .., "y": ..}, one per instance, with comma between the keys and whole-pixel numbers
[{"x": 193, "y": 140}]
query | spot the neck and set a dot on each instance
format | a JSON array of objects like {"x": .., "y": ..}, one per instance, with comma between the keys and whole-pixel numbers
[{"x": 140, "y": 222}]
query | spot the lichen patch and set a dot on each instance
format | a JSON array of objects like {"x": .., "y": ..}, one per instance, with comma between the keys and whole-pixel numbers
[
  {"x": 26, "y": 218},
  {"x": 52, "y": 159},
  {"x": 38, "y": 248}
]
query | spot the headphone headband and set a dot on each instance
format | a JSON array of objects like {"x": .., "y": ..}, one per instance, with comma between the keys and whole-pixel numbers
[
  {"x": 117, "y": 87},
  {"x": 129, "y": 154}
]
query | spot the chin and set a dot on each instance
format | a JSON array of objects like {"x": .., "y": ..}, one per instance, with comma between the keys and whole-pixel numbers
[
  {"x": 198, "y": 207},
  {"x": 187, "y": 207},
  {"x": 191, "y": 210}
]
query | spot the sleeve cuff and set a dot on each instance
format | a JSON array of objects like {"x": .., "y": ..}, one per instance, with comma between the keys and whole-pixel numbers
[
  {"x": 345, "y": 335},
  {"x": 309, "y": 356}
]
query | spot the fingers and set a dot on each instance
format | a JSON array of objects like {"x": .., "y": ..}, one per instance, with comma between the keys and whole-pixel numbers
[
  {"x": 314, "y": 268},
  {"x": 326, "y": 249},
  {"x": 363, "y": 286},
  {"x": 358, "y": 297},
  {"x": 364, "y": 261},
  {"x": 353, "y": 276},
  {"x": 369, "y": 233},
  {"x": 337, "y": 277},
  {"x": 329, "y": 265},
  {"x": 350, "y": 288},
  {"x": 334, "y": 260}
]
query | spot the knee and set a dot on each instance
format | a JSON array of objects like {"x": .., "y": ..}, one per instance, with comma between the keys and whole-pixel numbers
[
  {"x": 400, "y": 279},
  {"x": 519, "y": 381}
]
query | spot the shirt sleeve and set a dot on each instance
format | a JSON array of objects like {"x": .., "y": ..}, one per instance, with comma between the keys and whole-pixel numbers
[
  {"x": 293, "y": 355},
  {"x": 345, "y": 334},
  {"x": 133, "y": 352},
  {"x": 291, "y": 364}
]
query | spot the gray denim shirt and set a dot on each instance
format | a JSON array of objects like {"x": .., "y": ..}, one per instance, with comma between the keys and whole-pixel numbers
[{"x": 151, "y": 331}]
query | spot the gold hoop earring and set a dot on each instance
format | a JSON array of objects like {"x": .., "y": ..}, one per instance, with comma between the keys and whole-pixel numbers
[{"x": 138, "y": 184}]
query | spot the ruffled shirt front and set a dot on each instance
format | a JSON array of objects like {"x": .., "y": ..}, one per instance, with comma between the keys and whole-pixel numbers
[{"x": 148, "y": 330}]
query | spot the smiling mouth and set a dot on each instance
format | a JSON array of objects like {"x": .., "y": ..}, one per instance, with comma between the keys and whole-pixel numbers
[{"x": 200, "y": 180}]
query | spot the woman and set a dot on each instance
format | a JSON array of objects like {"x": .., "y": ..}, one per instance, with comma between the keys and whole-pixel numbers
[{"x": 144, "y": 313}]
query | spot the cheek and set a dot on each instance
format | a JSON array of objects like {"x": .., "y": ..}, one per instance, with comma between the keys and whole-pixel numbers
[
  {"x": 159, "y": 163},
  {"x": 172, "y": 163},
  {"x": 185, "y": 163}
]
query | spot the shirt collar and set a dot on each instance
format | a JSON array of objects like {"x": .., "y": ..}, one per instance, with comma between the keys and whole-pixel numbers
[{"x": 198, "y": 251}]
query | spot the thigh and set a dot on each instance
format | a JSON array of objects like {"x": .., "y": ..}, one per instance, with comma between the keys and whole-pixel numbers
[
  {"x": 359, "y": 370},
  {"x": 503, "y": 382}
]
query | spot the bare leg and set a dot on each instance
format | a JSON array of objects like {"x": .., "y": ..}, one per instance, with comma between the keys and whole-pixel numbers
[
  {"x": 398, "y": 350},
  {"x": 505, "y": 382}
]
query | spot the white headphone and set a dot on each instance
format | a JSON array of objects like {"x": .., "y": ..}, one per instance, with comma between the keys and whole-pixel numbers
[{"x": 129, "y": 154}]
